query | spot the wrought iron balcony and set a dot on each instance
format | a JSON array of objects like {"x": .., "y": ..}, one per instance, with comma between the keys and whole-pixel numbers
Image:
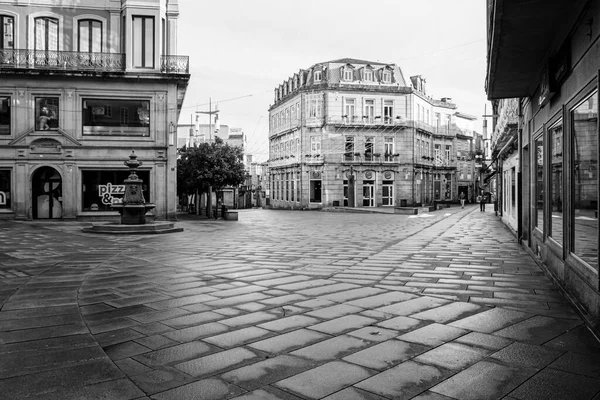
[
  {"x": 61, "y": 60},
  {"x": 175, "y": 64},
  {"x": 81, "y": 61}
]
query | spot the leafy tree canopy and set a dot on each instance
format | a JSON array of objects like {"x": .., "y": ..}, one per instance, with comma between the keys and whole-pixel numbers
[{"x": 215, "y": 164}]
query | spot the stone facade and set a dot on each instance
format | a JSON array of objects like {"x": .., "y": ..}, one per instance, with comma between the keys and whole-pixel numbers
[
  {"x": 80, "y": 88},
  {"x": 356, "y": 133},
  {"x": 547, "y": 133}
]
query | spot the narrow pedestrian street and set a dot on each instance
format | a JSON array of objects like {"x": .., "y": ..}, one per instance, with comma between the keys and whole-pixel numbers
[{"x": 288, "y": 305}]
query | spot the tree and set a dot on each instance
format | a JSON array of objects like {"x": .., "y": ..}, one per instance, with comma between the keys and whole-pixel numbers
[{"x": 210, "y": 166}]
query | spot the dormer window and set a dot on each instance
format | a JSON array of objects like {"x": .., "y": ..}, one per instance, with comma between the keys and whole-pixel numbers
[
  {"x": 386, "y": 76},
  {"x": 318, "y": 76},
  {"x": 348, "y": 74},
  {"x": 368, "y": 75}
]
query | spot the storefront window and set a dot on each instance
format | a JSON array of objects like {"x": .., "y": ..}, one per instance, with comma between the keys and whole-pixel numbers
[
  {"x": 539, "y": 182},
  {"x": 555, "y": 228},
  {"x": 116, "y": 117},
  {"x": 5, "y": 194},
  {"x": 46, "y": 113},
  {"x": 101, "y": 187},
  {"x": 4, "y": 115},
  {"x": 585, "y": 180}
]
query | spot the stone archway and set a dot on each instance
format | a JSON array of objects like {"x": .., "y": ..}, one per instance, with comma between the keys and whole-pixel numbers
[{"x": 46, "y": 194}]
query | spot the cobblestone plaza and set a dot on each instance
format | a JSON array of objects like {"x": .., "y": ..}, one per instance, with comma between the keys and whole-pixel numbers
[{"x": 288, "y": 305}]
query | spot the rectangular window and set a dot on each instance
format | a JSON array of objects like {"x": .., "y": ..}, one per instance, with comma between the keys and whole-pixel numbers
[
  {"x": 46, "y": 111},
  {"x": 4, "y": 116},
  {"x": 387, "y": 77},
  {"x": 315, "y": 145},
  {"x": 349, "y": 148},
  {"x": 101, "y": 189},
  {"x": 388, "y": 148},
  {"x": 7, "y": 27},
  {"x": 348, "y": 74},
  {"x": 369, "y": 114},
  {"x": 369, "y": 142},
  {"x": 315, "y": 108},
  {"x": 143, "y": 42},
  {"x": 5, "y": 192},
  {"x": 133, "y": 118},
  {"x": 318, "y": 76},
  {"x": 292, "y": 188},
  {"x": 349, "y": 109},
  {"x": 555, "y": 227},
  {"x": 513, "y": 192},
  {"x": 584, "y": 119},
  {"x": 388, "y": 111},
  {"x": 368, "y": 75},
  {"x": 46, "y": 34},
  {"x": 448, "y": 150},
  {"x": 287, "y": 187},
  {"x": 437, "y": 153},
  {"x": 90, "y": 36},
  {"x": 539, "y": 188}
]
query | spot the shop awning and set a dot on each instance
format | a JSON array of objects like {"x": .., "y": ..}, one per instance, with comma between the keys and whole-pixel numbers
[{"x": 520, "y": 34}]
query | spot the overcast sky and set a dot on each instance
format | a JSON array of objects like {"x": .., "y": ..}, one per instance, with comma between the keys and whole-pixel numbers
[{"x": 240, "y": 50}]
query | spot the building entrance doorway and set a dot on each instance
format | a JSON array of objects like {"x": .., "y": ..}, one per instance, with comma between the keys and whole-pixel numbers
[
  {"x": 368, "y": 194},
  {"x": 46, "y": 191},
  {"x": 465, "y": 190}
]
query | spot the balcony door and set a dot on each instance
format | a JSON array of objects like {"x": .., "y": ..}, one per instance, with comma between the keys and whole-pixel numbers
[{"x": 46, "y": 41}]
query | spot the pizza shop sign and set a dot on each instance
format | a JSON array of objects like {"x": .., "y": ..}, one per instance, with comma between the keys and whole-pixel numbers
[{"x": 108, "y": 192}]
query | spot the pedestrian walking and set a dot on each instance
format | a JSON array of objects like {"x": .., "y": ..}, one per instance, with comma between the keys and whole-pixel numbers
[
  {"x": 462, "y": 199},
  {"x": 482, "y": 200}
]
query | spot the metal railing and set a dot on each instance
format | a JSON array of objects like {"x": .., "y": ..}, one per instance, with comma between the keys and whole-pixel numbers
[
  {"x": 61, "y": 60},
  {"x": 175, "y": 64},
  {"x": 81, "y": 61},
  {"x": 365, "y": 121}
]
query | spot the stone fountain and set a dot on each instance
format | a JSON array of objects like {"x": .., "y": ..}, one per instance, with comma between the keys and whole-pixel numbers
[{"x": 133, "y": 208}]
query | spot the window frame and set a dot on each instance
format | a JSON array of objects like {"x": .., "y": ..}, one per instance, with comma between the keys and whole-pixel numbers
[
  {"x": 111, "y": 105},
  {"x": 8, "y": 113},
  {"x": 6, "y": 196},
  {"x": 2, "y": 29},
  {"x": 90, "y": 34},
  {"x": 143, "y": 42}
]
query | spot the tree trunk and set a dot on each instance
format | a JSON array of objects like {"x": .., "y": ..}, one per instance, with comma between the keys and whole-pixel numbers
[
  {"x": 197, "y": 201},
  {"x": 209, "y": 202}
]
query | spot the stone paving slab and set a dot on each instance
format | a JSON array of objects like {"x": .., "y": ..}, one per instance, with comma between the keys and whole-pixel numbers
[{"x": 342, "y": 307}]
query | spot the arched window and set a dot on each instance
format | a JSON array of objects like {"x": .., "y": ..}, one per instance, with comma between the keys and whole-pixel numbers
[
  {"x": 46, "y": 34},
  {"x": 7, "y": 27},
  {"x": 90, "y": 36}
]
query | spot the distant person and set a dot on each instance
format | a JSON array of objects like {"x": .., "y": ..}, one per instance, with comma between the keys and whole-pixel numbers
[
  {"x": 462, "y": 199},
  {"x": 482, "y": 200}
]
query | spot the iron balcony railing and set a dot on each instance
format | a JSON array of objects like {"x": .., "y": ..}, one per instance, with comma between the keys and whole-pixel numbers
[
  {"x": 81, "y": 61},
  {"x": 175, "y": 64},
  {"x": 61, "y": 60}
]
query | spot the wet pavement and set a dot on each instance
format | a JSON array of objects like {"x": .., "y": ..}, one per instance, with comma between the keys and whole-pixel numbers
[{"x": 288, "y": 305}]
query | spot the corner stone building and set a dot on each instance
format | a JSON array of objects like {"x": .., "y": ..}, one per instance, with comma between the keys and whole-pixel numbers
[
  {"x": 80, "y": 87},
  {"x": 357, "y": 133}
]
